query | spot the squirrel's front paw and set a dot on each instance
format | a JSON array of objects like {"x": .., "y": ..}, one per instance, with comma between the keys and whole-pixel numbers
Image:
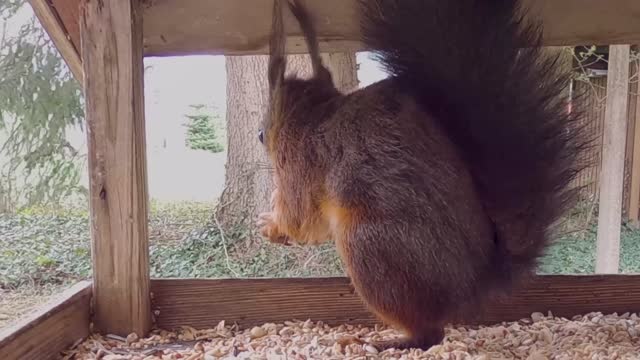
[{"x": 269, "y": 229}]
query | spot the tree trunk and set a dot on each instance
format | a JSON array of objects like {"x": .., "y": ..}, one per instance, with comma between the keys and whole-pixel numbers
[
  {"x": 344, "y": 69},
  {"x": 248, "y": 182},
  {"x": 246, "y": 169}
]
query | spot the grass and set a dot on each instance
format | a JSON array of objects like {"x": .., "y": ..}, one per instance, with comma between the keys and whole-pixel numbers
[
  {"x": 43, "y": 250},
  {"x": 575, "y": 253},
  {"x": 42, "y": 247}
]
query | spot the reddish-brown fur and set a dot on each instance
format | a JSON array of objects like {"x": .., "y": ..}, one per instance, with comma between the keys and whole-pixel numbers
[{"x": 440, "y": 184}]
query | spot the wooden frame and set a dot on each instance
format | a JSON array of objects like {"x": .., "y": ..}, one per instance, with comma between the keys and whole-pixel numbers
[
  {"x": 239, "y": 27},
  {"x": 613, "y": 156},
  {"x": 634, "y": 192},
  {"x": 51, "y": 329},
  {"x": 568, "y": 22},
  {"x": 112, "y": 44},
  {"x": 59, "y": 35},
  {"x": 111, "y": 41},
  {"x": 203, "y": 303}
]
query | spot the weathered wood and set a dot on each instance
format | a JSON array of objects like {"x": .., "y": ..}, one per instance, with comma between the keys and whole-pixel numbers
[
  {"x": 634, "y": 192},
  {"x": 236, "y": 27},
  {"x": 56, "y": 30},
  {"x": 53, "y": 328},
  {"x": 613, "y": 156},
  {"x": 241, "y": 26},
  {"x": 114, "y": 91},
  {"x": 204, "y": 303}
]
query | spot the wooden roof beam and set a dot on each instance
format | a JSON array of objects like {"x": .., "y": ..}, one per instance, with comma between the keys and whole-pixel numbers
[{"x": 241, "y": 27}]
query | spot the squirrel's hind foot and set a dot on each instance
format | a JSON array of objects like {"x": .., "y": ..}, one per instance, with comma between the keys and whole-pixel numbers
[{"x": 424, "y": 342}]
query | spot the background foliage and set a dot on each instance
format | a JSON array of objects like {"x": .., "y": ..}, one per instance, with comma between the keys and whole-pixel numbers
[{"x": 39, "y": 101}]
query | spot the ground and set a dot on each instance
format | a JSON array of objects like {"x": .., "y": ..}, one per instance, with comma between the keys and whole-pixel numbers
[{"x": 44, "y": 251}]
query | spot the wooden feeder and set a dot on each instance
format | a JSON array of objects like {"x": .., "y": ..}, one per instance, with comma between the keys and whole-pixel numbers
[{"x": 104, "y": 43}]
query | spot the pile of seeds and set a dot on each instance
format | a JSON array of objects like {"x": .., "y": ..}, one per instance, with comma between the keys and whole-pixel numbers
[{"x": 593, "y": 336}]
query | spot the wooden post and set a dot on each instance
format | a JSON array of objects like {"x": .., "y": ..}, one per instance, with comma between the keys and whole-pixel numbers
[
  {"x": 613, "y": 154},
  {"x": 111, "y": 43},
  {"x": 634, "y": 194}
]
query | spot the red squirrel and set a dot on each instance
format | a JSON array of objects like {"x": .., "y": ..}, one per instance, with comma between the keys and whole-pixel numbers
[{"x": 441, "y": 184}]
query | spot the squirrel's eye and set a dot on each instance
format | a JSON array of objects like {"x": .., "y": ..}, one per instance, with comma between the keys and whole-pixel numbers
[{"x": 261, "y": 135}]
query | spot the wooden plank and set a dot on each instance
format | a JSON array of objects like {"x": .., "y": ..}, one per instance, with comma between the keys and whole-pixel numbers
[
  {"x": 202, "y": 303},
  {"x": 613, "y": 155},
  {"x": 236, "y": 27},
  {"x": 634, "y": 201},
  {"x": 69, "y": 12},
  {"x": 175, "y": 27},
  {"x": 51, "y": 329},
  {"x": 114, "y": 92},
  {"x": 628, "y": 154},
  {"x": 49, "y": 19}
]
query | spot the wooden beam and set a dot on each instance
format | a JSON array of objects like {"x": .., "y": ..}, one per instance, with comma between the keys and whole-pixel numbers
[
  {"x": 202, "y": 303},
  {"x": 69, "y": 13},
  {"x": 241, "y": 27},
  {"x": 634, "y": 193},
  {"x": 51, "y": 329},
  {"x": 613, "y": 156},
  {"x": 114, "y": 90},
  {"x": 56, "y": 30}
]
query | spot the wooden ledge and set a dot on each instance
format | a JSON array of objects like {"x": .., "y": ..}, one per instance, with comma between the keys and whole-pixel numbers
[
  {"x": 54, "y": 327},
  {"x": 202, "y": 303}
]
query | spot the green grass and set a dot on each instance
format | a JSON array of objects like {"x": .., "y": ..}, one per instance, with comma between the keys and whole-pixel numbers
[
  {"x": 575, "y": 254},
  {"x": 44, "y": 247},
  {"x": 41, "y": 249}
]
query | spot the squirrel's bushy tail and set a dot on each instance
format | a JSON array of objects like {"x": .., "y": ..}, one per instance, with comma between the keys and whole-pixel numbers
[{"x": 479, "y": 69}]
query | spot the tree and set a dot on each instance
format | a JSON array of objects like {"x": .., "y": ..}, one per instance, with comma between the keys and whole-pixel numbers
[
  {"x": 203, "y": 130},
  {"x": 39, "y": 101},
  {"x": 248, "y": 177},
  {"x": 343, "y": 68}
]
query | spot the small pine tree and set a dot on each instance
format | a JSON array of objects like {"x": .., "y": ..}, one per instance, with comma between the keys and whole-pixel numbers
[{"x": 203, "y": 130}]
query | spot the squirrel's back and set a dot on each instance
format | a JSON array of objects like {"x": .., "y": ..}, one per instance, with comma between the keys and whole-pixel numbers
[{"x": 480, "y": 70}]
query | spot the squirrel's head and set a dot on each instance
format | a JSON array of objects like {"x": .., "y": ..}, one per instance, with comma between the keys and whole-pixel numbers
[{"x": 291, "y": 99}]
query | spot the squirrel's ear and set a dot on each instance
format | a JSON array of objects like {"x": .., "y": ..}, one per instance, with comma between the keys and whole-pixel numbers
[{"x": 277, "y": 60}]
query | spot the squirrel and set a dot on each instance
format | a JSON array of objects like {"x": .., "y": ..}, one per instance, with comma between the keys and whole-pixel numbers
[{"x": 440, "y": 185}]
